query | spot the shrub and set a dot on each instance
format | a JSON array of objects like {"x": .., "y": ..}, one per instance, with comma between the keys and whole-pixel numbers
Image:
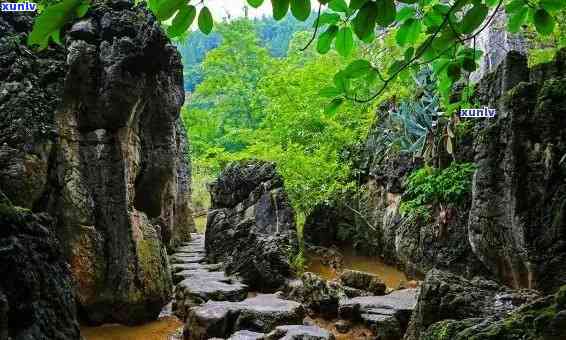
[{"x": 427, "y": 187}]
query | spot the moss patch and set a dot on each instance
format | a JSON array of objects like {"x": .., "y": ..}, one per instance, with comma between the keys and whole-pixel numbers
[{"x": 541, "y": 319}]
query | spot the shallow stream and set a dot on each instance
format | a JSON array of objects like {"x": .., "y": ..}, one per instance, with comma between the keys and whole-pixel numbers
[
  {"x": 167, "y": 324},
  {"x": 391, "y": 276}
]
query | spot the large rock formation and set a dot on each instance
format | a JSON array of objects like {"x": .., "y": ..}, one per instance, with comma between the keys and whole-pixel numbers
[
  {"x": 517, "y": 224},
  {"x": 511, "y": 226},
  {"x": 251, "y": 224},
  {"x": 447, "y": 296},
  {"x": 36, "y": 296},
  {"x": 495, "y": 41},
  {"x": 90, "y": 133}
]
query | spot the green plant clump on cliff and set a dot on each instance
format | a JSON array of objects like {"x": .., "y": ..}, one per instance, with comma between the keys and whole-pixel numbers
[{"x": 427, "y": 187}]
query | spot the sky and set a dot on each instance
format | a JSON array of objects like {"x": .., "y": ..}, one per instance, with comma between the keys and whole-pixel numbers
[{"x": 220, "y": 8}]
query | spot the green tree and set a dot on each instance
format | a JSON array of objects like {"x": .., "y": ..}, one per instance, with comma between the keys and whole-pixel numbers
[{"x": 226, "y": 103}]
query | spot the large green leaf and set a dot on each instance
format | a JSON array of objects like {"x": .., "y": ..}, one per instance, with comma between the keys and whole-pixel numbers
[
  {"x": 205, "y": 21},
  {"x": 342, "y": 81},
  {"x": 358, "y": 68},
  {"x": 333, "y": 106},
  {"x": 51, "y": 20},
  {"x": 386, "y": 12},
  {"x": 454, "y": 71},
  {"x": 339, "y": 6},
  {"x": 474, "y": 18},
  {"x": 301, "y": 9},
  {"x": 468, "y": 64},
  {"x": 514, "y": 6},
  {"x": 364, "y": 22},
  {"x": 357, "y": 4},
  {"x": 405, "y": 13},
  {"x": 553, "y": 5},
  {"x": 345, "y": 41},
  {"x": 82, "y": 9},
  {"x": 280, "y": 8},
  {"x": 325, "y": 39},
  {"x": 409, "y": 32},
  {"x": 517, "y": 19},
  {"x": 255, "y": 3},
  {"x": 432, "y": 19},
  {"x": 330, "y": 92},
  {"x": 167, "y": 8},
  {"x": 544, "y": 22},
  {"x": 182, "y": 20},
  {"x": 328, "y": 18}
]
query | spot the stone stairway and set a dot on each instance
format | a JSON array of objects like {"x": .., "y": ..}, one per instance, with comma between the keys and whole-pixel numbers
[
  {"x": 197, "y": 282},
  {"x": 215, "y": 305}
]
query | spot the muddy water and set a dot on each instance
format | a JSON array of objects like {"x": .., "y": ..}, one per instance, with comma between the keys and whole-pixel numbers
[
  {"x": 391, "y": 276},
  {"x": 157, "y": 330}
]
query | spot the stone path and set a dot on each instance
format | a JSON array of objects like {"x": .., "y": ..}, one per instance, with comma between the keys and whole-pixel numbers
[
  {"x": 197, "y": 282},
  {"x": 213, "y": 304}
]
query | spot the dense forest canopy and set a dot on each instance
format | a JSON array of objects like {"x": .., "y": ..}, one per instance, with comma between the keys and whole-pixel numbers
[
  {"x": 252, "y": 104},
  {"x": 274, "y": 35}
]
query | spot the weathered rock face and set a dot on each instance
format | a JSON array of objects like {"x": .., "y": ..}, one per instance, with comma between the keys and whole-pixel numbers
[
  {"x": 251, "y": 225},
  {"x": 496, "y": 41},
  {"x": 36, "y": 296},
  {"x": 516, "y": 222},
  {"x": 511, "y": 227},
  {"x": 30, "y": 91},
  {"x": 316, "y": 294},
  {"x": 103, "y": 152},
  {"x": 363, "y": 280},
  {"x": 447, "y": 296}
]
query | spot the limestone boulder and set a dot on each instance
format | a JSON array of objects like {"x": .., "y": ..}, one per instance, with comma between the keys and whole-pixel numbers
[
  {"x": 251, "y": 226},
  {"x": 260, "y": 314}
]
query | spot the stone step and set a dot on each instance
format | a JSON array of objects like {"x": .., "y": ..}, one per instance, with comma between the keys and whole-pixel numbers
[
  {"x": 193, "y": 292},
  {"x": 177, "y": 267},
  {"x": 290, "y": 332},
  {"x": 400, "y": 302},
  {"x": 177, "y": 258},
  {"x": 387, "y": 316},
  {"x": 188, "y": 249},
  {"x": 261, "y": 314},
  {"x": 203, "y": 275}
]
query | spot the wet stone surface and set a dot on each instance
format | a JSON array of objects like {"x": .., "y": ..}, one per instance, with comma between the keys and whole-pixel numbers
[{"x": 198, "y": 282}]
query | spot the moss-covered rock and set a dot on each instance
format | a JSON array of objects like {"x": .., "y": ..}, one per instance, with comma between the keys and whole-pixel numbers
[{"x": 543, "y": 319}]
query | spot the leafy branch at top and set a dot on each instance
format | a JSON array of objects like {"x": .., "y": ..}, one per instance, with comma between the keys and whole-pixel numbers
[{"x": 433, "y": 32}]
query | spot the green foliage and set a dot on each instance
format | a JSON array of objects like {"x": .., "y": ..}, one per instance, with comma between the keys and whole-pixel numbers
[
  {"x": 53, "y": 18},
  {"x": 298, "y": 262},
  {"x": 427, "y": 32},
  {"x": 275, "y": 36},
  {"x": 253, "y": 106},
  {"x": 408, "y": 128},
  {"x": 543, "y": 48},
  {"x": 427, "y": 187}
]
